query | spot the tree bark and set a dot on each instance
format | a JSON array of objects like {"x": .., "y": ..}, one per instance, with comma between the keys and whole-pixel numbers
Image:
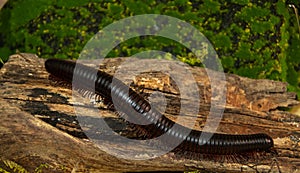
[{"x": 38, "y": 125}]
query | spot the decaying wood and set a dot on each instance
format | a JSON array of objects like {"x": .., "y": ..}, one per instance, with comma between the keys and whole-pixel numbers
[{"x": 38, "y": 121}]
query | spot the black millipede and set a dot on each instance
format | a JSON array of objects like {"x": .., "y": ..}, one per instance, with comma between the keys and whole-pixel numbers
[{"x": 136, "y": 107}]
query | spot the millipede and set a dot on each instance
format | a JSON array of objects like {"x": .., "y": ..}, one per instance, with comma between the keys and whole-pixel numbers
[{"x": 134, "y": 106}]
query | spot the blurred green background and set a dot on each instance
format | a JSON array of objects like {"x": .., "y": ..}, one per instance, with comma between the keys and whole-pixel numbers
[{"x": 256, "y": 39}]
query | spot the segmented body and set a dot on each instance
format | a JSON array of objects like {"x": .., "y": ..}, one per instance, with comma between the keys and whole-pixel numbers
[{"x": 136, "y": 107}]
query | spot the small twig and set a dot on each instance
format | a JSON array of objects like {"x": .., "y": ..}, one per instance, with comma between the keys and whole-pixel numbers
[{"x": 296, "y": 13}]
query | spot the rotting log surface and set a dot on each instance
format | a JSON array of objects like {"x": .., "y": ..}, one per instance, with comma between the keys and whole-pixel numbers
[{"x": 38, "y": 121}]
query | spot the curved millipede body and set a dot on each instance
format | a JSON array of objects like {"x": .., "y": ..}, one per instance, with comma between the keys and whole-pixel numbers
[{"x": 136, "y": 107}]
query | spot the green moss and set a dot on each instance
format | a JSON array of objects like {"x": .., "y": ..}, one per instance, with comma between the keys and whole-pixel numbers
[
  {"x": 62, "y": 3},
  {"x": 259, "y": 27},
  {"x": 281, "y": 9},
  {"x": 241, "y": 2},
  {"x": 252, "y": 12},
  {"x": 28, "y": 9},
  {"x": 228, "y": 62},
  {"x": 115, "y": 9},
  {"x": 258, "y": 44},
  {"x": 137, "y": 7},
  {"x": 244, "y": 51},
  {"x": 222, "y": 41},
  {"x": 211, "y": 6},
  {"x": 258, "y": 39}
]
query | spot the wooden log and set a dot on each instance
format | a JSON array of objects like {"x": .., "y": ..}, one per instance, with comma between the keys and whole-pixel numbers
[{"x": 39, "y": 128}]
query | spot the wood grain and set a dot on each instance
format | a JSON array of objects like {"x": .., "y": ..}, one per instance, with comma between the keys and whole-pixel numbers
[{"x": 39, "y": 126}]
